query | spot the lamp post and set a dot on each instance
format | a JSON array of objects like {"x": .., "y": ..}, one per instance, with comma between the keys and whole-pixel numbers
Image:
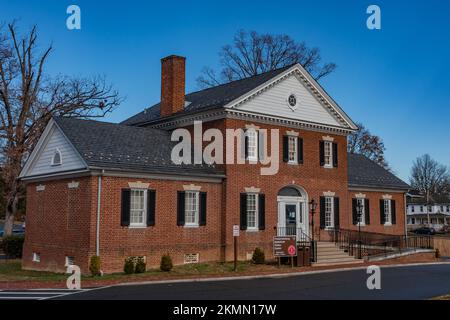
[
  {"x": 312, "y": 208},
  {"x": 359, "y": 214}
]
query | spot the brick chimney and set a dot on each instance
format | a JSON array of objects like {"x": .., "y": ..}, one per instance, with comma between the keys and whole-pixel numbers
[{"x": 172, "y": 85}]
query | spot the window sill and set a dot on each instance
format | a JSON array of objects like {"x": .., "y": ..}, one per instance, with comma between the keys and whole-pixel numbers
[
  {"x": 137, "y": 227},
  {"x": 191, "y": 226},
  {"x": 293, "y": 163},
  {"x": 328, "y": 167},
  {"x": 252, "y": 230},
  {"x": 388, "y": 224}
]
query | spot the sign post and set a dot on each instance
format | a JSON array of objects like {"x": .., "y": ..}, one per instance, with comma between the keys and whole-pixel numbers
[
  {"x": 285, "y": 246},
  {"x": 235, "y": 236}
]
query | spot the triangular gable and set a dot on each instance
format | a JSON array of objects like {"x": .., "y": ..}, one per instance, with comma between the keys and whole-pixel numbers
[
  {"x": 40, "y": 161},
  {"x": 313, "y": 103}
]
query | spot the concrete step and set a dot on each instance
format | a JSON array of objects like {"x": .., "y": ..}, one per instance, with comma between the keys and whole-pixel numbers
[
  {"x": 323, "y": 264},
  {"x": 333, "y": 255}
]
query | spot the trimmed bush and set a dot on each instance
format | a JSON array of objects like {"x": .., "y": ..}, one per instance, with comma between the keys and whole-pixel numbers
[
  {"x": 12, "y": 246},
  {"x": 437, "y": 254},
  {"x": 95, "y": 265},
  {"x": 258, "y": 256},
  {"x": 141, "y": 266},
  {"x": 166, "y": 263},
  {"x": 129, "y": 266}
]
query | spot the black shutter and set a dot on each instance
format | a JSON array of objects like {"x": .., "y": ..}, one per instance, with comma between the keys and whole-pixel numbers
[
  {"x": 262, "y": 211},
  {"x": 335, "y": 155},
  {"x": 300, "y": 150},
  {"x": 322, "y": 212},
  {"x": 246, "y": 146},
  {"x": 180, "y": 210},
  {"x": 367, "y": 209},
  {"x": 355, "y": 211},
  {"x": 322, "y": 153},
  {"x": 336, "y": 213},
  {"x": 125, "y": 208},
  {"x": 243, "y": 211},
  {"x": 382, "y": 213},
  {"x": 393, "y": 212},
  {"x": 285, "y": 149},
  {"x": 202, "y": 218},
  {"x": 151, "y": 207}
]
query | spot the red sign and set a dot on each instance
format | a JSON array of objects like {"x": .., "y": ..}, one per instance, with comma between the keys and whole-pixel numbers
[{"x": 292, "y": 251}]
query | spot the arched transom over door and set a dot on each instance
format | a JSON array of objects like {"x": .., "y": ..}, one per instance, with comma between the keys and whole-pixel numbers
[{"x": 293, "y": 217}]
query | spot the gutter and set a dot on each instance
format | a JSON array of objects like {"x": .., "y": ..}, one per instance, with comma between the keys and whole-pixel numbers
[{"x": 97, "y": 229}]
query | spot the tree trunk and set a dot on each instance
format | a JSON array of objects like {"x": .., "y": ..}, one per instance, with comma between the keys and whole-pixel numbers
[{"x": 11, "y": 208}]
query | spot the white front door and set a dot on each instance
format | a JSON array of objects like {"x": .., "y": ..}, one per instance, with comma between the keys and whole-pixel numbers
[{"x": 291, "y": 217}]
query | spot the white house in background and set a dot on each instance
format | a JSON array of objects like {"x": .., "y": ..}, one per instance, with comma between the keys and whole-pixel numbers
[{"x": 434, "y": 213}]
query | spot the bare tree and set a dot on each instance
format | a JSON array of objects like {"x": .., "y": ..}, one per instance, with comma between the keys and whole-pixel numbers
[
  {"x": 253, "y": 53},
  {"x": 28, "y": 100},
  {"x": 372, "y": 146},
  {"x": 429, "y": 177}
]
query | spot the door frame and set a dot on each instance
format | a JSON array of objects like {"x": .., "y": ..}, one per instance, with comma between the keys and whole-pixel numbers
[{"x": 302, "y": 210}]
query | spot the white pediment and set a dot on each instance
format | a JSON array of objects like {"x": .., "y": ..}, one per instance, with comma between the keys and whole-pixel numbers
[{"x": 274, "y": 101}]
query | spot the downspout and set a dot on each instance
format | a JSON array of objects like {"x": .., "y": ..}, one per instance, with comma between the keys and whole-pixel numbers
[{"x": 99, "y": 195}]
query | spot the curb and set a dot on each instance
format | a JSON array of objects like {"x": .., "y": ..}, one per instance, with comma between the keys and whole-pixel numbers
[{"x": 277, "y": 276}]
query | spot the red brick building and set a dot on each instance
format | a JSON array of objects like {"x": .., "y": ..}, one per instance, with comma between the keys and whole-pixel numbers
[{"x": 113, "y": 190}]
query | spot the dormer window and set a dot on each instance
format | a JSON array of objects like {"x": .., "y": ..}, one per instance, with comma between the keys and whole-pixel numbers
[{"x": 56, "y": 159}]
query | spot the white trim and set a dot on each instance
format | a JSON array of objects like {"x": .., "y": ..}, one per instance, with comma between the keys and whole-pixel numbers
[
  {"x": 328, "y": 138},
  {"x": 292, "y": 133},
  {"x": 329, "y": 194},
  {"x": 331, "y": 213},
  {"x": 362, "y": 221},
  {"x": 36, "y": 257},
  {"x": 295, "y": 151},
  {"x": 328, "y": 144},
  {"x": 360, "y": 196},
  {"x": 138, "y": 185},
  {"x": 293, "y": 108},
  {"x": 73, "y": 185},
  {"x": 252, "y": 190},
  {"x": 191, "y": 187},
  {"x": 387, "y": 197},
  {"x": 40, "y": 188},
  {"x": 251, "y": 127},
  {"x": 254, "y": 133}
]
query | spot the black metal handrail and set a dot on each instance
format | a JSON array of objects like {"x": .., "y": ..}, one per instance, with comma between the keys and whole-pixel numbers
[{"x": 369, "y": 244}]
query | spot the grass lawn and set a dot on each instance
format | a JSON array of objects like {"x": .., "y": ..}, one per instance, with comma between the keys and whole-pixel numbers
[{"x": 11, "y": 272}]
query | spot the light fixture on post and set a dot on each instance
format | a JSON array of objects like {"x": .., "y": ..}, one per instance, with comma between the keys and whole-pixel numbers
[{"x": 312, "y": 209}]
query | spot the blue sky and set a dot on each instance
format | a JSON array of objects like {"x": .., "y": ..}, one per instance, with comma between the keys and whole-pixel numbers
[{"x": 394, "y": 80}]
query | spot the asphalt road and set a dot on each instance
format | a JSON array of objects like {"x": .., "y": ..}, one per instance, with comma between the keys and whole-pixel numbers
[{"x": 412, "y": 282}]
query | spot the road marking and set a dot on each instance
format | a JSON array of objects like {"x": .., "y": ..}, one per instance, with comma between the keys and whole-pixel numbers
[{"x": 37, "y": 294}]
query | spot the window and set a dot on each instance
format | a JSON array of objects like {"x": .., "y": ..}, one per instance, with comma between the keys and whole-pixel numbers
[
  {"x": 137, "y": 208},
  {"x": 36, "y": 257},
  {"x": 448, "y": 208},
  {"x": 252, "y": 211},
  {"x": 191, "y": 208},
  {"x": 252, "y": 144},
  {"x": 329, "y": 212},
  {"x": 292, "y": 150},
  {"x": 70, "y": 261},
  {"x": 328, "y": 152},
  {"x": 442, "y": 208},
  {"x": 413, "y": 220},
  {"x": 292, "y": 101},
  {"x": 421, "y": 208},
  {"x": 412, "y": 209},
  {"x": 430, "y": 209},
  {"x": 387, "y": 212},
  {"x": 361, "y": 211},
  {"x": 57, "y": 159}
]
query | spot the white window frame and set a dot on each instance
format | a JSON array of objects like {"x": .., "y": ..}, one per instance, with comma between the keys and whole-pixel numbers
[
  {"x": 329, "y": 201},
  {"x": 387, "y": 205},
  {"x": 362, "y": 220},
  {"x": 57, "y": 151},
  {"x": 252, "y": 136},
  {"x": 36, "y": 257},
  {"x": 292, "y": 142},
  {"x": 68, "y": 261},
  {"x": 328, "y": 159},
  {"x": 142, "y": 224},
  {"x": 195, "y": 210},
  {"x": 256, "y": 212}
]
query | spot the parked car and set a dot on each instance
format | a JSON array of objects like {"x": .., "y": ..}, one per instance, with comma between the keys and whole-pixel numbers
[
  {"x": 425, "y": 230},
  {"x": 17, "y": 231}
]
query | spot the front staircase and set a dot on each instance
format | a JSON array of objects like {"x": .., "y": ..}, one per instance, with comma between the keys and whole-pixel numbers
[{"x": 329, "y": 254}]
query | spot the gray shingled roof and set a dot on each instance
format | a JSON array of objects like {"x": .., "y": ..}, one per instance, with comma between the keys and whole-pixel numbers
[
  {"x": 211, "y": 98},
  {"x": 363, "y": 172},
  {"x": 115, "y": 146},
  {"x": 435, "y": 199}
]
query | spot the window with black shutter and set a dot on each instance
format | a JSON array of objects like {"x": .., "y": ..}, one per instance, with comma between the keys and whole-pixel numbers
[
  {"x": 125, "y": 208},
  {"x": 203, "y": 203},
  {"x": 286, "y": 149},
  {"x": 367, "y": 211},
  {"x": 261, "y": 211},
  {"x": 393, "y": 212},
  {"x": 243, "y": 206},
  {"x": 335, "y": 155},
  {"x": 180, "y": 209},
  {"x": 322, "y": 212},
  {"x": 355, "y": 211},
  {"x": 322, "y": 153},
  {"x": 151, "y": 207},
  {"x": 300, "y": 150},
  {"x": 382, "y": 212},
  {"x": 336, "y": 213}
]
